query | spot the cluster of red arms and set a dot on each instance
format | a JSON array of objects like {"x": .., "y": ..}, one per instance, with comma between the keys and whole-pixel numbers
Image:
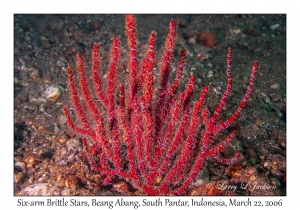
[{"x": 157, "y": 139}]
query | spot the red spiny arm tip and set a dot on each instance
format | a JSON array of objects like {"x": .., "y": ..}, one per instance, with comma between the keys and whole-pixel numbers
[
  {"x": 96, "y": 76},
  {"x": 172, "y": 89},
  {"x": 168, "y": 54},
  {"x": 228, "y": 89},
  {"x": 228, "y": 161},
  {"x": 112, "y": 77},
  {"x": 76, "y": 101},
  {"x": 147, "y": 74},
  {"x": 190, "y": 88},
  {"x": 90, "y": 103},
  {"x": 72, "y": 125},
  {"x": 131, "y": 33},
  {"x": 242, "y": 104}
]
